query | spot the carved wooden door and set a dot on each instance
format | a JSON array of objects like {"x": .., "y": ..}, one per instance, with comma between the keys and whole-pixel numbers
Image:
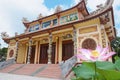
[
  {"x": 67, "y": 50},
  {"x": 43, "y": 53},
  {"x": 32, "y": 56}
]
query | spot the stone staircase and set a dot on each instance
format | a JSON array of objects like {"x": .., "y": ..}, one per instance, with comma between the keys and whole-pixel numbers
[
  {"x": 38, "y": 70},
  {"x": 52, "y": 71}
]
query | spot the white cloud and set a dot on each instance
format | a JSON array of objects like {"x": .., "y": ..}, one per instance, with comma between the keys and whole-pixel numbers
[
  {"x": 116, "y": 7},
  {"x": 76, "y": 1},
  {"x": 92, "y": 5},
  {"x": 12, "y": 11},
  {"x": 9, "y": 8},
  {"x": 118, "y": 32},
  {"x": 117, "y": 11}
]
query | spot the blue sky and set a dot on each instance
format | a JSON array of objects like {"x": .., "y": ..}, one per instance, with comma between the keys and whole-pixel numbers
[{"x": 12, "y": 12}]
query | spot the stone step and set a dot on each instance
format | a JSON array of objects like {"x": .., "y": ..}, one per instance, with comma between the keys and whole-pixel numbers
[
  {"x": 10, "y": 68},
  {"x": 28, "y": 69},
  {"x": 52, "y": 71},
  {"x": 38, "y": 70}
]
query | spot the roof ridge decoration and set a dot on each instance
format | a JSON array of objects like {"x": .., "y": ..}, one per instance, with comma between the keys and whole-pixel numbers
[
  {"x": 40, "y": 16},
  {"x": 58, "y": 9},
  {"x": 24, "y": 20},
  {"x": 101, "y": 8},
  {"x": 4, "y": 35}
]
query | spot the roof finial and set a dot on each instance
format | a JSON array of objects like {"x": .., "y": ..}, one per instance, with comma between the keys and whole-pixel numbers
[
  {"x": 100, "y": 6},
  {"x": 58, "y": 9},
  {"x": 16, "y": 33},
  {"x": 24, "y": 20},
  {"x": 86, "y": 1},
  {"x": 4, "y": 35},
  {"x": 40, "y": 16}
]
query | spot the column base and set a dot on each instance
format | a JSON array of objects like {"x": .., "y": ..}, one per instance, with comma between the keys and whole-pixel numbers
[
  {"x": 28, "y": 62},
  {"x": 49, "y": 63}
]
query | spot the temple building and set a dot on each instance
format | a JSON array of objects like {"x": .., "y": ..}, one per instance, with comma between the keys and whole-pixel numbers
[{"x": 55, "y": 38}]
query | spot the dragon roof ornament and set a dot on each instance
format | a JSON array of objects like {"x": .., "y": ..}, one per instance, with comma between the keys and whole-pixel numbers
[
  {"x": 24, "y": 20},
  {"x": 4, "y": 35}
]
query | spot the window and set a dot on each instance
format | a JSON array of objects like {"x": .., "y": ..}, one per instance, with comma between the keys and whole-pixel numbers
[
  {"x": 46, "y": 24},
  {"x": 54, "y": 22},
  {"x": 30, "y": 29},
  {"x": 34, "y": 28},
  {"x": 68, "y": 18}
]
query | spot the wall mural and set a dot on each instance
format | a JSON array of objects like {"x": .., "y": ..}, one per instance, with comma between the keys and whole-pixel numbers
[{"x": 68, "y": 18}]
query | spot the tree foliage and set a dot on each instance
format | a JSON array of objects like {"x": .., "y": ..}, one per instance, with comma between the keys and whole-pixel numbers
[
  {"x": 116, "y": 47},
  {"x": 3, "y": 53}
]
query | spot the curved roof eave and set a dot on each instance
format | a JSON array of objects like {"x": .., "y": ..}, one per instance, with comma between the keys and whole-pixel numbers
[{"x": 27, "y": 24}]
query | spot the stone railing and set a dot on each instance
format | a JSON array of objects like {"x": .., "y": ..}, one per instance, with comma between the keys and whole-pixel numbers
[
  {"x": 7, "y": 63},
  {"x": 67, "y": 65}
]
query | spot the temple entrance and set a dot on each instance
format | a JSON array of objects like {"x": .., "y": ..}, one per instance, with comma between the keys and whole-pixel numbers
[
  {"x": 44, "y": 53},
  {"x": 32, "y": 57},
  {"x": 67, "y": 49}
]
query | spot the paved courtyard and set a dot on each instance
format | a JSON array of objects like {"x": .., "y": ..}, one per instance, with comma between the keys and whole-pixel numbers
[{"x": 6, "y": 76}]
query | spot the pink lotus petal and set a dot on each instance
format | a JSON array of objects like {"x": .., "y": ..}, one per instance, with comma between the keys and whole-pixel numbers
[
  {"x": 79, "y": 49},
  {"x": 93, "y": 59},
  {"x": 86, "y": 53},
  {"x": 99, "y": 48},
  {"x": 108, "y": 55},
  {"x": 82, "y": 57},
  {"x": 104, "y": 51}
]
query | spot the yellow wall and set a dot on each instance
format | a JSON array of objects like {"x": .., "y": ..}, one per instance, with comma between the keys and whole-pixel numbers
[
  {"x": 69, "y": 12},
  {"x": 21, "y": 54},
  {"x": 12, "y": 46},
  {"x": 88, "y": 23},
  {"x": 88, "y": 29}
]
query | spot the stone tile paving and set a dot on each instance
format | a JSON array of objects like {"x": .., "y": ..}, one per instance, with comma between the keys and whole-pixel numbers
[{"x": 6, "y": 76}]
